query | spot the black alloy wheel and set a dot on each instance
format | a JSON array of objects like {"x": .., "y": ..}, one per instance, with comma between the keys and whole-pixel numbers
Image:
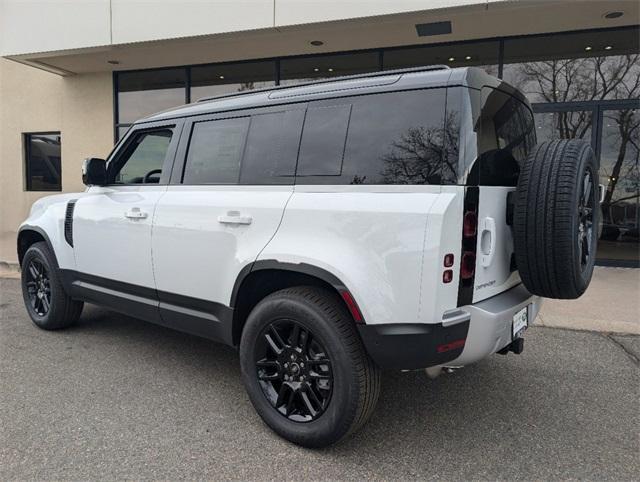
[
  {"x": 45, "y": 299},
  {"x": 294, "y": 370},
  {"x": 305, "y": 368},
  {"x": 38, "y": 287}
]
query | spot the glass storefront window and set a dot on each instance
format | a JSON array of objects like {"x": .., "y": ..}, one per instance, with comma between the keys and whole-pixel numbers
[
  {"x": 620, "y": 174},
  {"x": 212, "y": 80},
  {"x": 477, "y": 54},
  {"x": 296, "y": 70},
  {"x": 571, "y": 124},
  {"x": 575, "y": 67},
  {"x": 147, "y": 92}
]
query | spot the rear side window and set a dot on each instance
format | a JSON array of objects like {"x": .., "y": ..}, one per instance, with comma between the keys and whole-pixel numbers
[
  {"x": 272, "y": 148},
  {"x": 323, "y": 139},
  {"x": 215, "y": 151},
  {"x": 390, "y": 138}
]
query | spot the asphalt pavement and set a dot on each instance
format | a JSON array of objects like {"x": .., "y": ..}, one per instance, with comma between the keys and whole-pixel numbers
[{"x": 116, "y": 398}]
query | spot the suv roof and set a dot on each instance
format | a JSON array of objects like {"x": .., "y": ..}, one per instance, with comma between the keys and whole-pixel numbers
[{"x": 368, "y": 83}]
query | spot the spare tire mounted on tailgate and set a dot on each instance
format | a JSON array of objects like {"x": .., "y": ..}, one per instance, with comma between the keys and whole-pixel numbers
[{"x": 556, "y": 219}]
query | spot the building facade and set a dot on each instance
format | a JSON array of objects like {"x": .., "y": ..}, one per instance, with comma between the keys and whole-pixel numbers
[{"x": 75, "y": 75}]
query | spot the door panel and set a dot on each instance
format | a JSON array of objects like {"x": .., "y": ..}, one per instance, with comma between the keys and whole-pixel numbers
[
  {"x": 111, "y": 245},
  {"x": 112, "y": 225},
  {"x": 204, "y": 235}
]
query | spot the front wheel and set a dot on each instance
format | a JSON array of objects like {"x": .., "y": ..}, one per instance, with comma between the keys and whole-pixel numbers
[
  {"x": 305, "y": 369},
  {"x": 47, "y": 303}
]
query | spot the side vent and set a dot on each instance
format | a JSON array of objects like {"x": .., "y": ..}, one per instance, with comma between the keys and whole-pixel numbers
[{"x": 68, "y": 222}]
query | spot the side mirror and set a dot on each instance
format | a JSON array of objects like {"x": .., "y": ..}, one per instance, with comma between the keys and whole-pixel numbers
[{"x": 94, "y": 172}]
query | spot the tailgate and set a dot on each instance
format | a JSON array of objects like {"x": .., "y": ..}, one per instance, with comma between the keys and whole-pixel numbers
[{"x": 495, "y": 264}]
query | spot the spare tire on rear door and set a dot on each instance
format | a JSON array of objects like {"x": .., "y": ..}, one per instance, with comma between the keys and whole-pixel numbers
[{"x": 556, "y": 216}]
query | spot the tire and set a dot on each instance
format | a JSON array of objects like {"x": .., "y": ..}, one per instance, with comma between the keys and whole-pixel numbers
[
  {"x": 52, "y": 309},
  {"x": 343, "y": 400},
  {"x": 556, "y": 219}
]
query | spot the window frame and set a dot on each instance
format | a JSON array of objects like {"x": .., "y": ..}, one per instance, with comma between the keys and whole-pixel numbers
[
  {"x": 134, "y": 131},
  {"x": 26, "y": 142}
]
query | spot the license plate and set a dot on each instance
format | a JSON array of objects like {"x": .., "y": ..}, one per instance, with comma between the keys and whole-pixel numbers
[{"x": 520, "y": 322}]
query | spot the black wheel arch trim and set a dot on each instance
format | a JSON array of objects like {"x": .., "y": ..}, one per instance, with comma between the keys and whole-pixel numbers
[
  {"x": 41, "y": 232},
  {"x": 273, "y": 264}
]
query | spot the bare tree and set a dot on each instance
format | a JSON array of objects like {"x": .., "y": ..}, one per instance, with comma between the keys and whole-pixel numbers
[{"x": 423, "y": 155}]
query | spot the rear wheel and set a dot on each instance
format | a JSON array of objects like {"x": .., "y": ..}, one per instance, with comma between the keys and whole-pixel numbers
[
  {"x": 47, "y": 303},
  {"x": 556, "y": 219},
  {"x": 305, "y": 369}
]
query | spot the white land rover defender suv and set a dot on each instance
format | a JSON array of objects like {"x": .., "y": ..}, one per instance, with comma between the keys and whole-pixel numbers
[{"x": 398, "y": 220}]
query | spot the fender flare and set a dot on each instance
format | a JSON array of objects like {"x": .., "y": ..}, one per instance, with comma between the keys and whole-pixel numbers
[
  {"x": 272, "y": 264},
  {"x": 41, "y": 232}
]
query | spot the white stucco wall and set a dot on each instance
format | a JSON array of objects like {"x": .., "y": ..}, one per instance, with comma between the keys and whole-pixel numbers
[{"x": 36, "y": 26}]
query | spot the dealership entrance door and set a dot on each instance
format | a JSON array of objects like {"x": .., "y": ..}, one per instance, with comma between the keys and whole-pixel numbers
[{"x": 613, "y": 129}]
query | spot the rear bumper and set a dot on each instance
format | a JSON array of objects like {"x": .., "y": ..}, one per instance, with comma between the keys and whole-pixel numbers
[
  {"x": 469, "y": 334},
  {"x": 491, "y": 319}
]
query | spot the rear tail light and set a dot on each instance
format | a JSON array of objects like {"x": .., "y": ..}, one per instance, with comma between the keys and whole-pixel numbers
[
  {"x": 447, "y": 276},
  {"x": 468, "y": 265},
  {"x": 470, "y": 224},
  {"x": 469, "y": 245}
]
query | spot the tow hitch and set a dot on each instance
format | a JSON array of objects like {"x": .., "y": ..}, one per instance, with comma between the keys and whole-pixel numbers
[{"x": 516, "y": 346}]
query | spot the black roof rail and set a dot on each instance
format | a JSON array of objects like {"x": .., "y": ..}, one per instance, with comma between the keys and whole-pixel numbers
[{"x": 378, "y": 73}]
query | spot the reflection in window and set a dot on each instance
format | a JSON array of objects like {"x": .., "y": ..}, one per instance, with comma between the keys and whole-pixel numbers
[
  {"x": 143, "y": 93},
  {"x": 575, "y": 67},
  {"x": 393, "y": 138},
  {"x": 42, "y": 159},
  {"x": 293, "y": 71},
  {"x": 572, "y": 124},
  {"x": 478, "y": 54},
  {"x": 620, "y": 173},
  {"x": 212, "y": 80}
]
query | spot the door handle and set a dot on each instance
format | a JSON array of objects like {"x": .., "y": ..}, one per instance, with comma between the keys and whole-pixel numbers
[
  {"x": 234, "y": 217},
  {"x": 135, "y": 213},
  {"x": 488, "y": 241}
]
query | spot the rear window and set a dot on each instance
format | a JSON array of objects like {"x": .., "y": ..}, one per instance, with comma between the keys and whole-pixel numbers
[
  {"x": 502, "y": 135},
  {"x": 390, "y": 138}
]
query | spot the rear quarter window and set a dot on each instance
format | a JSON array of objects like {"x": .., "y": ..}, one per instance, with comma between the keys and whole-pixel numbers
[{"x": 389, "y": 138}]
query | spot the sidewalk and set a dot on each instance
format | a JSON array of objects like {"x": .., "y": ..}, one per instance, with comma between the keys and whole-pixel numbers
[{"x": 611, "y": 304}]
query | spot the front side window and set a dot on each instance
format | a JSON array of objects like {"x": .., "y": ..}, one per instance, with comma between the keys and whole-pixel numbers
[
  {"x": 142, "y": 159},
  {"x": 42, "y": 161}
]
